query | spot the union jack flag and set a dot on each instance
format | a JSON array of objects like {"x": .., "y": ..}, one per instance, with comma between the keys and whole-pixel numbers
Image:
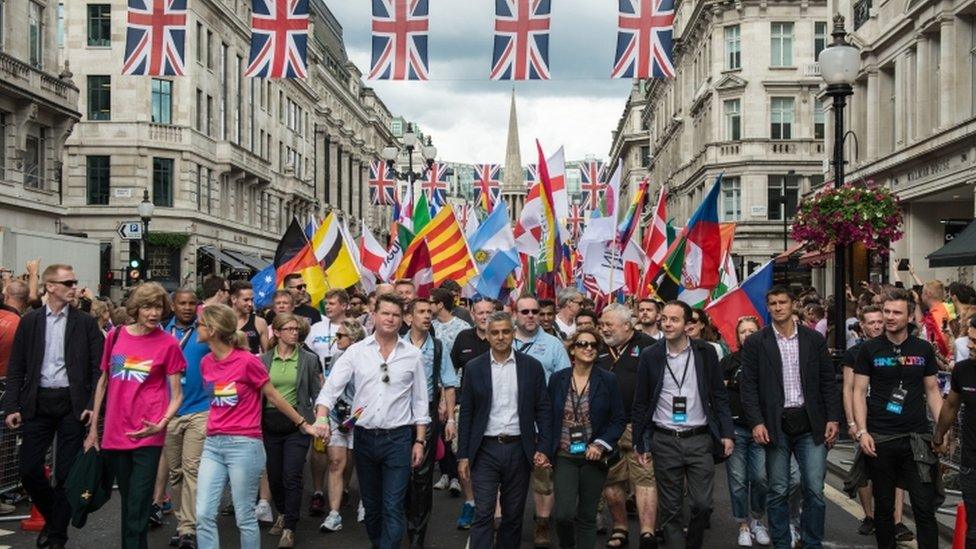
[
  {"x": 155, "y": 38},
  {"x": 400, "y": 40},
  {"x": 130, "y": 369},
  {"x": 531, "y": 175},
  {"x": 521, "y": 40},
  {"x": 644, "y": 39},
  {"x": 592, "y": 183},
  {"x": 382, "y": 185},
  {"x": 279, "y": 39},
  {"x": 436, "y": 184},
  {"x": 462, "y": 212},
  {"x": 487, "y": 185},
  {"x": 576, "y": 221}
]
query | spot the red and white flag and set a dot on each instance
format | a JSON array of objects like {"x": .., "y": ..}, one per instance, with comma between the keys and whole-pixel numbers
[
  {"x": 371, "y": 252},
  {"x": 656, "y": 238}
]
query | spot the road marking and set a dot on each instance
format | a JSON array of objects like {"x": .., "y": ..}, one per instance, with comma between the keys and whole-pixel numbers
[
  {"x": 853, "y": 508},
  {"x": 6, "y": 532}
]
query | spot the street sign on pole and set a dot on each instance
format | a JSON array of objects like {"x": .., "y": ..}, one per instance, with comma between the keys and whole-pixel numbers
[{"x": 130, "y": 230}]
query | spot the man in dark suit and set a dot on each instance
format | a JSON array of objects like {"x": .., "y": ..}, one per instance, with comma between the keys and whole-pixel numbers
[
  {"x": 681, "y": 416},
  {"x": 790, "y": 400},
  {"x": 504, "y": 429},
  {"x": 54, "y": 365}
]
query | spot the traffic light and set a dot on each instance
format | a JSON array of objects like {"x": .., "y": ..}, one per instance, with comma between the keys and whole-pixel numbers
[{"x": 134, "y": 270}]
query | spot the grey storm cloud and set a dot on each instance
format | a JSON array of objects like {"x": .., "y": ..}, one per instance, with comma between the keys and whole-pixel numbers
[{"x": 467, "y": 114}]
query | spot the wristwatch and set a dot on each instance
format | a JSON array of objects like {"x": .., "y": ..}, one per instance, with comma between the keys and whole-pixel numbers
[
  {"x": 859, "y": 434},
  {"x": 421, "y": 442}
]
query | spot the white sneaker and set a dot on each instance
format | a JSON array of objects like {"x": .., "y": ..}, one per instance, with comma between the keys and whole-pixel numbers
[
  {"x": 442, "y": 483},
  {"x": 745, "y": 538},
  {"x": 794, "y": 535},
  {"x": 759, "y": 532},
  {"x": 332, "y": 523},
  {"x": 263, "y": 511},
  {"x": 361, "y": 513},
  {"x": 455, "y": 488}
]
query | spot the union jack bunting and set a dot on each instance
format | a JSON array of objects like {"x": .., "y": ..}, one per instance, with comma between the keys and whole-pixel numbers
[
  {"x": 436, "y": 184},
  {"x": 462, "y": 212},
  {"x": 487, "y": 185},
  {"x": 576, "y": 221},
  {"x": 279, "y": 39},
  {"x": 644, "y": 39},
  {"x": 382, "y": 185},
  {"x": 592, "y": 183},
  {"x": 521, "y": 40},
  {"x": 531, "y": 175},
  {"x": 400, "y": 40},
  {"x": 155, "y": 38}
]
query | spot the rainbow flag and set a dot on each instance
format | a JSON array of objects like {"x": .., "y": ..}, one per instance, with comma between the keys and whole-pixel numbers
[
  {"x": 550, "y": 248},
  {"x": 128, "y": 368},
  {"x": 224, "y": 394}
]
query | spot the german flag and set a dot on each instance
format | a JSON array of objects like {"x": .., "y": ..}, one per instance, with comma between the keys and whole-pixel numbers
[
  {"x": 295, "y": 255},
  {"x": 450, "y": 258}
]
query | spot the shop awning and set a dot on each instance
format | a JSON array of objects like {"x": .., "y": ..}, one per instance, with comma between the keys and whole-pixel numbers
[
  {"x": 785, "y": 256},
  {"x": 816, "y": 258},
  {"x": 959, "y": 252},
  {"x": 226, "y": 259},
  {"x": 252, "y": 261}
]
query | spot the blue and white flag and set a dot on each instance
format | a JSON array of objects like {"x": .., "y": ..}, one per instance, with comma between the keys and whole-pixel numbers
[
  {"x": 493, "y": 246},
  {"x": 264, "y": 286}
]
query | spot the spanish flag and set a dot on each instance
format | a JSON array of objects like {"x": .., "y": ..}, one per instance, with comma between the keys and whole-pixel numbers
[
  {"x": 443, "y": 240},
  {"x": 295, "y": 255},
  {"x": 334, "y": 255}
]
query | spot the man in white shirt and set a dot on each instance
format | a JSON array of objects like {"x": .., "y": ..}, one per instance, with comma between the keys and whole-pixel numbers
[
  {"x": 648, "y": 311},
  {"x": 389, "y": 438},
  {"x": 569, "y": 301}
]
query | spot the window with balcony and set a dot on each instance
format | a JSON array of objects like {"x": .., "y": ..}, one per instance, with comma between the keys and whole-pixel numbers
[
  {"x": 163, "y": 182},
  {"x": 99, "y": 97},
  {"x": 35, "y": 34},
  {"x": 731, "y": 199},
  {"x": 819, "y": 119},
  {"x": 100, "y": 25},
  {"x": 34, "y": 161},
  {"x": 162, "y": 101},
  {"x": 97, "y": 172},
  {"x": 733, "y": 120},
  {"x": 820, "y": 37},
  {"x": 781, "y": 118},
  {"x": 776, "y": 186},
  {"x": 733, "y": 48},
  {"x": 781, "y": 44}
]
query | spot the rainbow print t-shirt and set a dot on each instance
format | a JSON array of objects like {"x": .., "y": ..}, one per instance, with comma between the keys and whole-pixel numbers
[{"x": 235, "y": 384}]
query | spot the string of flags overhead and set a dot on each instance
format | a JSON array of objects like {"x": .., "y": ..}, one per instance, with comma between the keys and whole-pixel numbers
[{"x": 156, "y": 39}]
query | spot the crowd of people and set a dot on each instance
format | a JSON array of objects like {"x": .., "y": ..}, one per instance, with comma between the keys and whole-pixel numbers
[{"x": 192, "y": 395}]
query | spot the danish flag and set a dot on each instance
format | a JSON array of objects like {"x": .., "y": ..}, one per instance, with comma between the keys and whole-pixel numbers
[
  {"x": 400, "y": 40},
  {"x": 382, "y": 186},
  {"x": 592, "y": 183},
  {"x": 279, "y": 39},
  {"x": 521, "y": 40},
  {"x": 155, "y": 38},
  {"x": 644, "y": 39},
  {"x": 576, "y": 221},
  {"x": 436, "y": 184},
  {"x": 487, "y": 185}
]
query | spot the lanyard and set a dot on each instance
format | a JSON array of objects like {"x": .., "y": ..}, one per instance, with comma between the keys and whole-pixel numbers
[
  {"x": 576, "y": 399},
  {"x": 684, "y": 375},
  {"x": 186, "y": 334},
  {"x": 901, "y": 367},
  {"x": 526, "y": 345}
]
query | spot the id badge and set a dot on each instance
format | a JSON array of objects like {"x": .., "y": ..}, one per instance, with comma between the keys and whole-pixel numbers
[
  {"x": 679, "y": 409},
  {"x": 577, "y": 441},
  {"x": 897, "y": 401}
]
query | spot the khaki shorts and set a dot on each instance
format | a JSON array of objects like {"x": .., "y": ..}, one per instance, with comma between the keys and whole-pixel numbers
[
  {"x": 542, "y": 480},
  {"x": 628, "y": 469}
]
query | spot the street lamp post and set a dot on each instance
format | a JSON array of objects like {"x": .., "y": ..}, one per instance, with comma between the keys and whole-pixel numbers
[
  {"x": 410, "y": 141},
  {"x": 839, "y": 64},
  {"x": 146, "y": 208}
]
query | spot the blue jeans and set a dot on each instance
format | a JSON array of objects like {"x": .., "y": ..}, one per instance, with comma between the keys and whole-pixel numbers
[
  {"x": 383, "y": 469},
  {"x": 812, "y": 459},
  {"x": 747, "y": 477},
  {"x": 241, "y": 461}
]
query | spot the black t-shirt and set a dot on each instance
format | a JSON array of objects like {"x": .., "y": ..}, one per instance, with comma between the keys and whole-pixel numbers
[
  {"x": 624, "y": 367},
  {"x": 309, "y": 313},
  {"x": 467, "y": 346},
  {"x": 732, "y": 371},
  {"x": 963, "y": 381},
  {"x": 887, "y": 365}
]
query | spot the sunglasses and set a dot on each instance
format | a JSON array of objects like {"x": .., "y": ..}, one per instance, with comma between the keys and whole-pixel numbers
[
  {"x": 66, "y": 283},
  {"x": 529, "y": 311},
  {"x": 585, "y": 344},
  {"x": 289, "y": 329},
  {"x": 299, "y": 287},
  {"x": 386, "y": 372},
  {"x": 340, "y": 335},
  {"x": 505, "y": 331}
]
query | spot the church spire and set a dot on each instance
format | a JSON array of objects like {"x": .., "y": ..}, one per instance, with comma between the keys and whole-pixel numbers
[{"x": 513, "y": 179}]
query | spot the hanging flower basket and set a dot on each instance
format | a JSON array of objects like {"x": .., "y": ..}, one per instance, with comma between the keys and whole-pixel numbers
[{"x": 848, "y": 214}]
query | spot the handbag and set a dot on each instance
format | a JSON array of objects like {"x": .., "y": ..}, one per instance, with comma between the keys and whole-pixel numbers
[{"x": 796, "y": 421}]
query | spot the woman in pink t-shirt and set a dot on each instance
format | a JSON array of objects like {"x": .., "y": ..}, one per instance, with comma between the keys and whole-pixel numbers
[
  {"x": 234, "y": 449},
  {"x": 142, "y": 366}
]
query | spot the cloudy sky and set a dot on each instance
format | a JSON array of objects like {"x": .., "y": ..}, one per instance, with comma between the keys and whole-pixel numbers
[{"x": 467, "y": 114}]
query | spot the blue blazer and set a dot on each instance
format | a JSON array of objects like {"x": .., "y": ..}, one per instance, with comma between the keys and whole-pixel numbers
[
  {"x": 607, "y": 417},
  {"x": 534, "y": 410}
]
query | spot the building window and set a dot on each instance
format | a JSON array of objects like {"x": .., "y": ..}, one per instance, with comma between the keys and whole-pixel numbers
[
  {"x": 3, "y": 136},
  {"x": 781, "y": 118},
  {"x": 222, "y": 70},
  {"x": 733, "y": 48},
  {"x": 774, "y": 191},
  {"x": 60, "y": 25},
  {"x": 209, "y": 119},
  {"x": 250, "y": 140},
  {"x": 199, "y": 120},
  {"x": 99, "y": 25},
  {"x": 99, "y": 97},
  {"x": 97, "y": 172},
  {"x": 209, "y": 49},
  {"x": 162, "y": 101},
  {"x": 2, "y": 19},
  {"x": 34, "y": 161},
  {"x": 645, "y": 156},
  {"x": 733, "y": 120},
  {"x": 239, "y": 131},
  {"x": 35, "y": 34},
  {"x": 731, "y": 199},
  {"x": 163, "y": 182},
  {"x": 819, "y": 38},
  {"x": 781, "y": 44},
  {"x": 819, "y": 119},
  {"x": 199, "y": 42},
  {"x": 972, "y": 64}
]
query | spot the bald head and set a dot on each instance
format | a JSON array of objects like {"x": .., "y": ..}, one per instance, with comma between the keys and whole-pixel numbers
[{"x": 15, "y": 294}]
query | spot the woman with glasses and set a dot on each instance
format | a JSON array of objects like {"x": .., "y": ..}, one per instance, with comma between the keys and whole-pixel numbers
[
  {"x": 294, "y": 372},
  {"x": 588, "y": 414},
  {"x": 700, "y": 327},
  {"x": 233, "y": 451}
]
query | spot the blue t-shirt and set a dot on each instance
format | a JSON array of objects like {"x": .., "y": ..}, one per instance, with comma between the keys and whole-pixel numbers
[
  {"x": 547, "y": 349},
  {"x": 195, "y": 397}
]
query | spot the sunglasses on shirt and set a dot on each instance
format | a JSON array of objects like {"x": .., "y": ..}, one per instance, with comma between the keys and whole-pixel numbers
[{"x": 386, "y": 372}]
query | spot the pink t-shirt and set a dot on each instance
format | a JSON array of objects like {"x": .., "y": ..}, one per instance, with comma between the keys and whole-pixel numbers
[
  {"x": 137, "y": 385},
  {"x": 235, "y": 386}
]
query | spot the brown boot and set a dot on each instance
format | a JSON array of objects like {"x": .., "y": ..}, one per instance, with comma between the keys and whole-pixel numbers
[{"x": 541, "y": 537}]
